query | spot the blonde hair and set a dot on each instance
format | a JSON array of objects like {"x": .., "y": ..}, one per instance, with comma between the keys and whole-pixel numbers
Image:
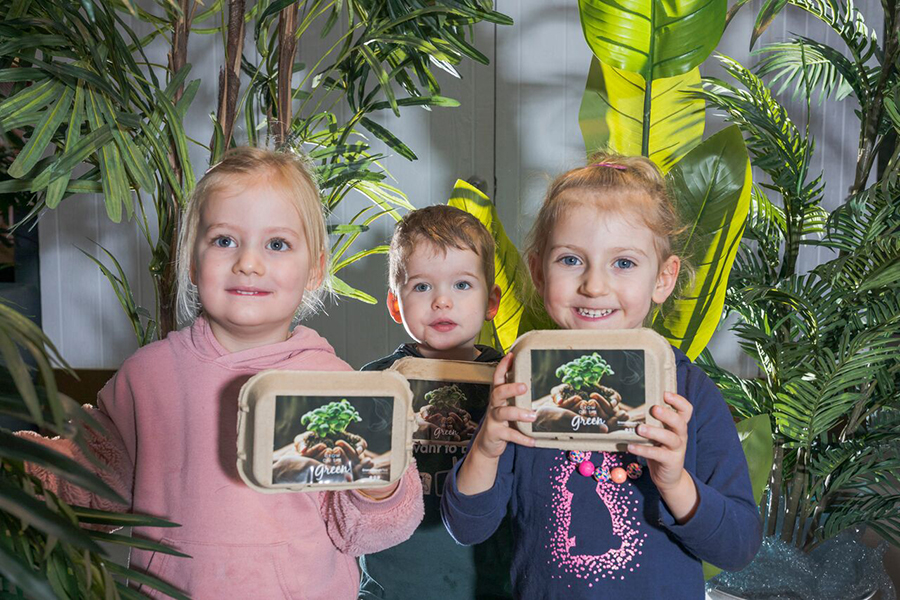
[
  {"x": 445, "y": 227},
  {"x": 630, "y": 185},
  {"x": 294, "y": 172}
]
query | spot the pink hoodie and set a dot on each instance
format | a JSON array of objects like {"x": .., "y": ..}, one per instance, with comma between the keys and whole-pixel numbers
[{"x": 171, "y": 415}]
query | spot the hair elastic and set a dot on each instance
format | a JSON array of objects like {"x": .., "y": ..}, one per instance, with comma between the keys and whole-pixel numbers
[{"x": 610, "y": 165}]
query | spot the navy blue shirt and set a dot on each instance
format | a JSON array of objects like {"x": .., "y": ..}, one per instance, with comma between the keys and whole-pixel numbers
[
  {"x": 431, "y": 564},
  {"x": 577, "y": 538}
]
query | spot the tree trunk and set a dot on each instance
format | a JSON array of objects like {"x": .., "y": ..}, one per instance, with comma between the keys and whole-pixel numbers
[{"x": 775, "y": 478}]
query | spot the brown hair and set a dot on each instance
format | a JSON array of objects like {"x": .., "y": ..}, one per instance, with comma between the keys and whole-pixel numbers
[
  {"x": 445, "y": 227},
  {"x": 238, "y": 167},
  {"x": 623, "y": 184}
]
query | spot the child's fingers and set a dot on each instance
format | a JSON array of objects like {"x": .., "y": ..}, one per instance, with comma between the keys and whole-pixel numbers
[
  {"x": 680, "y": 404},
  {"x": 673, "y": 420},
  {"x": 505, "y": 391},
  {"x": 517, "y": 437},
  {"x": 668, "y": 439},
  {"x": 651, "y": 453},
  {"x": 512, "y": 413},
  {"x": 502, "y": 369}
]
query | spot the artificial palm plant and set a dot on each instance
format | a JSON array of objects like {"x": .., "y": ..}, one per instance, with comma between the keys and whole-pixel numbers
[
  {"x": 44, "y": 553},
  {"x": 825, "y": 341},
  {"x": 86, "y": 110}
]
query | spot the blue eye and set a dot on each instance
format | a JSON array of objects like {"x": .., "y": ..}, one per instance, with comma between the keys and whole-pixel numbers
[
  {"x": 223, "y": 241},
  {"x": 569, "y": 260},
  {"x": 278, "y": 245},
  {"x": 421, "y": 287},
  {"x": 462, "y": 285},
  {"x": 624, "y": 263}
]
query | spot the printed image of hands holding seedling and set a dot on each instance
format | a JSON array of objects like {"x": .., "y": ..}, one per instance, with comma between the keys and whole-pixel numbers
[
  {"x": 580, "y": 403},
  {"x": 326, "y": 451}
]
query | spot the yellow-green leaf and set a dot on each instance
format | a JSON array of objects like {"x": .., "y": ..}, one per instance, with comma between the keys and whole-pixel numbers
[
  {"x": 57, "y": 189},
  {"x": 112, "y": 172},
  {"x": 612, "y": 115},
  {"x": 656, "y": 38},
  {"x": 711, "y": 187},
  {"x": 41, "y": 135},
  {"x": 516, "y": 314}
]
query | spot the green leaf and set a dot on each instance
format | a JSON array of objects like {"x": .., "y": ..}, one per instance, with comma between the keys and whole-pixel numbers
[
  {"x": 388, "y": 138},
  {"x": 112, "y": 172},
  {"x": 342, "y": 288},
  {"x": 36, "y": 514},
  {"x": 30, "y": 99},
  {"x": 145, "y": 579},
  {"x": 517, "y": 313},
  {"x": 383, "y": 78},
  {"x": 767, "y": 14},
  {"x": 613, "y": 115},
  {"x": 136, "y": 542},
  {"x": 72, "y": 157},
  {"x": 22, "y": 576},
  {"x": 57, "y": 188},
  {"x": 116, "y": 519},
  {"x": 711, "y": 187},
  {"x": 653, "y": 38},
  {"x": 41, "y": 135}
]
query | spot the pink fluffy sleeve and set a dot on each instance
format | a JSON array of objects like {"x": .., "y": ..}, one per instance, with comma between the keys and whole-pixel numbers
[
  {"x": 109, "y": 446},
  {"x": 358, "y": 525}
]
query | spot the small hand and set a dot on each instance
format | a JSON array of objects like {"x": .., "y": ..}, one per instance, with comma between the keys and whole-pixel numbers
[
  {"x": 666, "y": 458},
  {"x": 496, "y": 430}
]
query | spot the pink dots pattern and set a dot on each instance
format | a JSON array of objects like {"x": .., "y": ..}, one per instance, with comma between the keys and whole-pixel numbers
[{"x": 623, "y": 508}]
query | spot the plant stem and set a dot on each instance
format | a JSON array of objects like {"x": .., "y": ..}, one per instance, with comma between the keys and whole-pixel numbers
[
  {"x": 775, "y": 487},
  {"x": 230, "y": 74},
  {"x": 648, "y": 87},
  {"x": 287, "y": 47},
  {"x": 798, "y": 485}
]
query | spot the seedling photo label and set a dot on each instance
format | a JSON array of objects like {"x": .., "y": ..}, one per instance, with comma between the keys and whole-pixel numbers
[
  {"x": 588, "y": 391},
  {"x": 328, "y": 439}
]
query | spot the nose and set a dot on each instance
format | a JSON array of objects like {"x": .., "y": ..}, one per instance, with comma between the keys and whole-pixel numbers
[
  {"x": 442, "y": 301},
  {"x": 594, "y": 283},
  {"x": 248, "y": 262}
]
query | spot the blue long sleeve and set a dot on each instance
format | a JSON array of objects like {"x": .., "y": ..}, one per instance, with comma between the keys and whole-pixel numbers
[{"x": 577, "y": 538}]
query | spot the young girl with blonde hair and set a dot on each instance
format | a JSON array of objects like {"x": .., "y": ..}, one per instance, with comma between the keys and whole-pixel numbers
[
  {"x": 252, "y": 253},
  {"x": 601, "y": 256}
]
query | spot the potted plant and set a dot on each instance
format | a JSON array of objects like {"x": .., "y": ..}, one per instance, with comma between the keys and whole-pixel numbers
[{"x": 825, "y": 340}]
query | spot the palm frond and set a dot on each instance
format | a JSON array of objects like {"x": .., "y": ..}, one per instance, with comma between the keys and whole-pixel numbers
[{"x": 805, "y": 63}]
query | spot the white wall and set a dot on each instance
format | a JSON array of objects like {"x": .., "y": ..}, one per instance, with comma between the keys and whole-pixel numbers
[{"x": 516, "y": 129}]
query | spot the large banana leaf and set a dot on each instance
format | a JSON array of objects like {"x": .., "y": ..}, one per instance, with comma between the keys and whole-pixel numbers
[
  {"x": 520, "y": 310},
  {"x": 654, "y": 38},
  {"x": 711, "y": 187},
  {"x": 613, "y": 115}
]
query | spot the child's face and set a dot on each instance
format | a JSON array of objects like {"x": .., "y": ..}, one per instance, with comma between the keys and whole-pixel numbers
[
  {"x": 251, "y": 264},
  {"x": 601, "y": 270},
  {"x": 445, "y": 300}
]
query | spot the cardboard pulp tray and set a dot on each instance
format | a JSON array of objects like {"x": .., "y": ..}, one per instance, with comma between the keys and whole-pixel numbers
[
  {"x": 310, "y": 431},
  {"x": 591, "y": 389}
]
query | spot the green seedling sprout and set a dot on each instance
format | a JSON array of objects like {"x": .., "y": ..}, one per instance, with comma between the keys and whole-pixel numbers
[
  {"x": 584, "y": 372},
  {"x": 449, "y": 396},
  {"x": 330, "y": 419}
]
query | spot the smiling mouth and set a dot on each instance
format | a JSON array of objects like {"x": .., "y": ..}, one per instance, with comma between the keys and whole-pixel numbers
[
  {"x": 248, "y": 292},
  {"x": 594, "y": 314}
]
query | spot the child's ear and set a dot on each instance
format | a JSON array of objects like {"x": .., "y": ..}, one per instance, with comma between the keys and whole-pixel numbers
[
  {"x": 666, "y": 280},
  {"x": 493, "y": 303},
  {"x": 537, "y": 273},
  {"x": 393, "y": 305}
]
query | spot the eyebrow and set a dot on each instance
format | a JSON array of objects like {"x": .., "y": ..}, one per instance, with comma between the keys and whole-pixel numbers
[
  {"x": 428, "y": 276},
  {"x": 270, "y": 230},
  {"x": 619, "y": 250}
]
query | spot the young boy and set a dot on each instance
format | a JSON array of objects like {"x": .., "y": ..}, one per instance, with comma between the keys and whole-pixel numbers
[{"x": 442, "y": 291}]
